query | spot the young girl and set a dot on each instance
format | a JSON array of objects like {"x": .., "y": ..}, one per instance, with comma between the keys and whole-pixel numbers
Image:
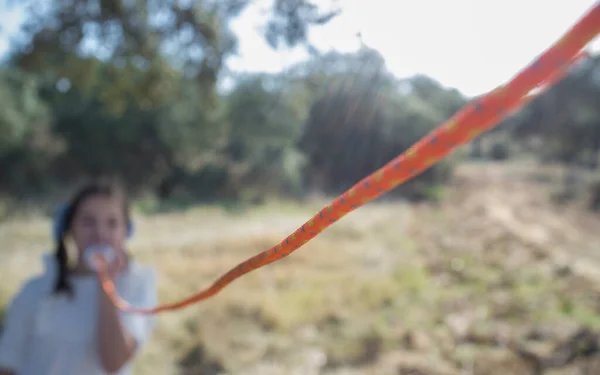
[{"x": 62, "y": 322}]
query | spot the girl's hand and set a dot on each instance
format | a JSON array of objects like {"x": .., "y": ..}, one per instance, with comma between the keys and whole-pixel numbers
[{"x": 118, "y": 265}]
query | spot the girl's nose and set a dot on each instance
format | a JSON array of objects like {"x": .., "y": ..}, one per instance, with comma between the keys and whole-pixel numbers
[{"x": 101, "y": 234}]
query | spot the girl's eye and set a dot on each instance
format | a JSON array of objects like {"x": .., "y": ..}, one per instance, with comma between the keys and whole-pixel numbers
[
  {"x": 88, "y": 221},
  {"x": 113, "y": 223}
]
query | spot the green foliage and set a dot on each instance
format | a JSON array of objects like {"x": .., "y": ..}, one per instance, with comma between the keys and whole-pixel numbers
[
  {"x": 292, "y": 19},
  {"x": 24, "y": 115},
  {"x": 566, "y": 118},
  {"x": 26, "y": 141},
  {"x": 271, "y": 135},
  {"x": 128, "y": 88},
  {"x": 144, "y": 107},
  {"x": 264, "y": 124},
  {"x": 594, "y": 202},
  {"x": 362, "y": 120},
  {"x": 500, "y": 151},
  {"x": 157, "y": 40}
]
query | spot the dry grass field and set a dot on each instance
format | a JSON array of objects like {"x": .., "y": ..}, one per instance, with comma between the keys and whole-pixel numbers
[{"x": 493, "y": 280}]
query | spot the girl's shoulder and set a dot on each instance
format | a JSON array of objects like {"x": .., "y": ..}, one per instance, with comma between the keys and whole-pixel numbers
[
  {"x": 42, "y": 283},
  {"x": 31, "y": 291}
]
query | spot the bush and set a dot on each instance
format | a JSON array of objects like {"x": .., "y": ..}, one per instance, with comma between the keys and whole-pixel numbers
[
  {"x": 428, "y": 186},
  {"x": 500, "y": 151},
  {"x": 594, "y": 203}
]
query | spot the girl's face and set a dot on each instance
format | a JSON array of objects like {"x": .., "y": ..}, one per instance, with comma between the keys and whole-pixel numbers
[{"x": 99, "y": 220}]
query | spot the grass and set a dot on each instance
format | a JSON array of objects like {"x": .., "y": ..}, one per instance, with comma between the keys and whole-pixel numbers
[{"x": 387, "y": 284}]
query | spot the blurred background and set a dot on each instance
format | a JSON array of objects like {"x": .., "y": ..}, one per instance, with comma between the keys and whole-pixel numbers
[{"x": 233, "y": 121}]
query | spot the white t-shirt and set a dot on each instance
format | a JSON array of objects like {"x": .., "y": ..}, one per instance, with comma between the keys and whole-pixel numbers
[{"x": 52, "y": 335}]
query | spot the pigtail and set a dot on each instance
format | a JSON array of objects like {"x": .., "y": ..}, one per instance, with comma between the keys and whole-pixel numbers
[{"x": 62, "y": 260}]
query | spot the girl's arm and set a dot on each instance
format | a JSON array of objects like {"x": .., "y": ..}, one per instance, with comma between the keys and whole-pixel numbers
[
  {"x": 121, "y": 334},
  {"x": 14, "y": 339},
  {"x": 115, "y": 344}
]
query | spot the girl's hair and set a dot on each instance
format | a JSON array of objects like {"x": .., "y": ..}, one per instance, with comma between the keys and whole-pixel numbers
[{"x": 101, "y": 187}]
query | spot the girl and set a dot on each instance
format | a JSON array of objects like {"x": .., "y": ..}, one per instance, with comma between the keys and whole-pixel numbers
[{"x": 62, "y": 322}]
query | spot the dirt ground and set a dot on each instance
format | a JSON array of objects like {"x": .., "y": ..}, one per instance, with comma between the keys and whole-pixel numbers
[{"x": 495, "y": 279}]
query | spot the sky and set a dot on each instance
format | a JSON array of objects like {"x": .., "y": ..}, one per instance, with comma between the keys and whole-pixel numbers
[{"x": 471, "y": 45}]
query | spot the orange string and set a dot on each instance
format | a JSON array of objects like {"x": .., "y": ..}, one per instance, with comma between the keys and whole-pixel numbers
[{"x": 477, "y": 117}]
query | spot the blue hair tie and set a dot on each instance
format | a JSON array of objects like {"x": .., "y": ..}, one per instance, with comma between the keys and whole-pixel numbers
[{"x": 59, "y": 218}]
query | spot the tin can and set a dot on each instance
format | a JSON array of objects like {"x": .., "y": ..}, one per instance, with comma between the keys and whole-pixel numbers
[{"x": 104, "y": 251}]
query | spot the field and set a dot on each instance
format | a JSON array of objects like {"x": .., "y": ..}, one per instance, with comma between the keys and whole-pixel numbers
[{"x": 495, "y": 279}]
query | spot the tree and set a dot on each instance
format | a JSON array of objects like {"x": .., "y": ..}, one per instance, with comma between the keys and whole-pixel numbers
[
  {"x": 364, "y": 117},
  {"x": 148, "y": 147},
  {"x": 26, "y": 141},
  {"x": 566, "y": 117},
  {"x": 131, "y": 84},
  {"x": 159, "y": 38},
  {"x": 265, "y": 117}
]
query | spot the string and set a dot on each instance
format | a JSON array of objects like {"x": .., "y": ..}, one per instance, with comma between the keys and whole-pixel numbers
[{"x": 478, "y": 116}]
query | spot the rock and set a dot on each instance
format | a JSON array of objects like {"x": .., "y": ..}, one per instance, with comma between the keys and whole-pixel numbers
[
  {"x": 490, "y": 334},
  {"x": 569, "y": 370},
  {"x": 415, "y": 340},
  {"x": 411, "y": 363},
  {"x": 459, "y": 324},
  {"x": 443, "y": 340},
  {"x": 314, "y": 360},
  {"x": 585, "y": 343},
  {"x": 464, "y": 355},
  {"x": 501, "y": 362},
  {"x": 590, "y": 366},
  {"x": 307, "y": 333},
  {"x": 557, "y": 331}
]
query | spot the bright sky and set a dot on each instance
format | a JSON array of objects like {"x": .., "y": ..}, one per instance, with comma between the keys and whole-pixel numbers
[{"x": 472, "y": 45}]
